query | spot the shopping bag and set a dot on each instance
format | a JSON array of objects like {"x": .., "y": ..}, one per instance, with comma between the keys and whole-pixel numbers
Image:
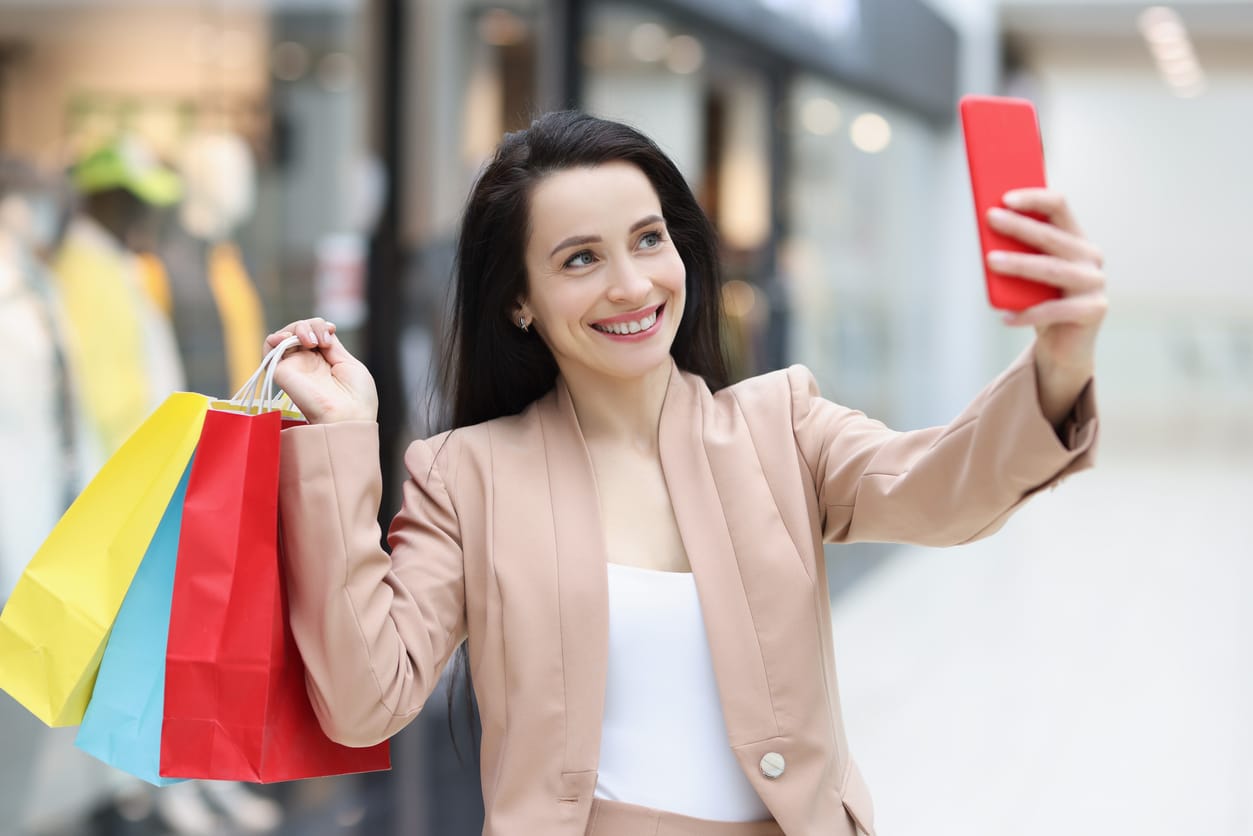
[
  {"x": 122, "y": 726},
  {"x": 55, "y": 624},
  {"x": 236, "y": 707}
]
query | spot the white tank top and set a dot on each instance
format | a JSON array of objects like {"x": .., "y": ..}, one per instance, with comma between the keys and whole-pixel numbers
[{"x": 664, "y": 742}]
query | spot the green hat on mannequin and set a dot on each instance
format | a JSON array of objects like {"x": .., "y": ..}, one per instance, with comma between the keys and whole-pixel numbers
[{"x": 126, "y": 163}]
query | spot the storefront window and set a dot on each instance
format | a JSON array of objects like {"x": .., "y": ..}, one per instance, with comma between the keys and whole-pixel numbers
[
  {"x": 708, "y": 108},
  {"x": 855, "y": 247},
  {"x": 176, "y": 180},
  {"x": 258, "y": 110}
]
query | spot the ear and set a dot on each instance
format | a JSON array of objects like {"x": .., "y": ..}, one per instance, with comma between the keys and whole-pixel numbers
[{"x": 519, "y": 311}]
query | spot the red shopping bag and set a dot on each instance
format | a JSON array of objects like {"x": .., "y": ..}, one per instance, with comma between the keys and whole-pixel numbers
[{"x": 236, "y": 707}]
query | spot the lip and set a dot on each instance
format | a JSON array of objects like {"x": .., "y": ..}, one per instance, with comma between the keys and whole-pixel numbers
[
  {"x": 639, "y": 335},
  {"x": 629, "y": 317}
]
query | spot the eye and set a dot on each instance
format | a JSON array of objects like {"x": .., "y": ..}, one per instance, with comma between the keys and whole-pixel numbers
[
  {"x": 649, "y": 240},
  {"x": 582, "y": 258}
]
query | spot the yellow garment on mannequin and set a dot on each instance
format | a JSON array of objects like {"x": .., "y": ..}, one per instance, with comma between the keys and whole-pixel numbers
[
  {"x": 239, "y": 307},
  {"x": 155, "y": 282},
  {"x": 103, "y": 308}
]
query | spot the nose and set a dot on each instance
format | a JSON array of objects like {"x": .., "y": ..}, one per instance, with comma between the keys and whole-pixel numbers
[{"x": 628, "y": 284}]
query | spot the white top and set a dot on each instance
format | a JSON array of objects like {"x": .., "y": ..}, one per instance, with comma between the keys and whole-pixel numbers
[{"x": 664, "y": 742}]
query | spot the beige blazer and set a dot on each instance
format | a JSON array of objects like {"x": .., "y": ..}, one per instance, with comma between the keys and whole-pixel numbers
[{"x": 499, "y": 540}]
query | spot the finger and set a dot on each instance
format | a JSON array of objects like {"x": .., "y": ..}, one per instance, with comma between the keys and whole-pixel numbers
[
  {"x": 277, "y": 337},
  {"x": 316, "y": 331},
  {"x": 301, "y": 329},
  {"x": 307, "y": 332},
  {"x": 1043, "y": 236},
  {"x": 335, "y": 353},
  {"x": 1044, "y": 201},
  {"x": 1076, "y": 310},
  {"x": 1054, "y": 206},
  {"x": 1074, "y": 277}
]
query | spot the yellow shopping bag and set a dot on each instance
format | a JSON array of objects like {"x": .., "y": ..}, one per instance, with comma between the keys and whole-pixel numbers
[{"x": 55, "y": 625}]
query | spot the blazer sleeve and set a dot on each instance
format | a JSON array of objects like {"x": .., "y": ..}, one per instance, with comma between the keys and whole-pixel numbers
[
  {"x": 374, "y": 630},
  {"x": 940, "y": 486}
]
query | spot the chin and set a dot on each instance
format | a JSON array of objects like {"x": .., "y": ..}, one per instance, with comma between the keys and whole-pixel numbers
[{"x": 645, "y": 363}]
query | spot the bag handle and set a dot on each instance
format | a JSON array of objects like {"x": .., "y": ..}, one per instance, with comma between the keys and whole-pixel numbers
[{"x": 263, "y": 379}]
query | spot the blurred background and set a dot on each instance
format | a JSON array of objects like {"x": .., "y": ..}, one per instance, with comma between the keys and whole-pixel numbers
[{"x": 178, "y": 177}]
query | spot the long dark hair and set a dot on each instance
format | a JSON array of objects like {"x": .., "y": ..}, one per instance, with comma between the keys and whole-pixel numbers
[{"x": 491, "y": 367}]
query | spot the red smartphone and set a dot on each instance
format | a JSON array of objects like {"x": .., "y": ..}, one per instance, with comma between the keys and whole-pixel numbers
[{"x": 1004, "y": 152}]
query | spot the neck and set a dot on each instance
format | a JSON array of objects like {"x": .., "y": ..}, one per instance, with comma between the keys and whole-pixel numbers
[{"x": 619, "y": 411}]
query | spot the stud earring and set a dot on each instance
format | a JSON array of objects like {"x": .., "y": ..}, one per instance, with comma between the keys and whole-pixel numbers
[{"x": 522, "y": 323}]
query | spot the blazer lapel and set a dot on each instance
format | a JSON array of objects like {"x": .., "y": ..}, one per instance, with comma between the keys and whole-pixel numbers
[
  {"x": 582, "y": 579},
  {"x": 701, "y": 516}
]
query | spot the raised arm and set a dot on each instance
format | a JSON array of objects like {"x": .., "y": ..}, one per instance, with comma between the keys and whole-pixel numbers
[
  {"x": 375, "y": 630},
  {"x": 944, "y": 485},
  {"x": 1028, "y": 429}
]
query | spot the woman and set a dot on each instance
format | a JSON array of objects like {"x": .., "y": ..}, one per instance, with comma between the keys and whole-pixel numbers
[{"x": 633, "y": 551}]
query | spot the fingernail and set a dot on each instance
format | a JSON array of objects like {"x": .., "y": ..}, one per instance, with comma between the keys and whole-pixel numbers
[
  {"x": 997, "y": 257},
  {"x": 997, "y": 213},
  {"x": 284, "y": 334},
  {"x": 1014, "y": 199}
]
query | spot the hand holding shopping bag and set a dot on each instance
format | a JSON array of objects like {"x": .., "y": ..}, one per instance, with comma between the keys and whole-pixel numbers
[
  {"x": 54, "y": 627},
  {"x": 235, "y": 701}
]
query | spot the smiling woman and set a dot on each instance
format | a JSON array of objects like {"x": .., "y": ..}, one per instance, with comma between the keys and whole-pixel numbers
[
  {"x": 577, "y": 220},
  {"x": 595, "y": 292},
  {"x": 692, "y": 688}
]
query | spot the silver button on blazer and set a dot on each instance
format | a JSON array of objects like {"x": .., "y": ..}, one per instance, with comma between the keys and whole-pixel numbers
[{"x": 499, "y": 541}]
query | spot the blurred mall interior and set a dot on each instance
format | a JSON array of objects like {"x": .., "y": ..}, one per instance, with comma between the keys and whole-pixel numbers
[{"x": 178, "y": 177}]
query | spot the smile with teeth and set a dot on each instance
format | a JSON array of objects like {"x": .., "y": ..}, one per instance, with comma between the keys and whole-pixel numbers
[{"x": 633, "y": 327}]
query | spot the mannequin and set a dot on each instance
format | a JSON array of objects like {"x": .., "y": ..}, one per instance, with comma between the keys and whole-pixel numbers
[
  {"x": 48, "y": 455},
  {"x": 38, "y": 420},
  {"x": 215, "y": 307},
  {"x": 124, "y": 344},
  {"x": 198, "y": 273}
]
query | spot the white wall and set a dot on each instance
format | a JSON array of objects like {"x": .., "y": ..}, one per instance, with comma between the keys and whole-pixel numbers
[
  {"x": 1162, "y": 180},
  {"x": 1162, "y": 185}
]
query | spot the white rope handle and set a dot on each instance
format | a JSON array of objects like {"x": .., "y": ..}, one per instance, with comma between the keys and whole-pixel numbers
[
  {"x": 258, "y": 393},
  {"x": 277, "y": 356}
]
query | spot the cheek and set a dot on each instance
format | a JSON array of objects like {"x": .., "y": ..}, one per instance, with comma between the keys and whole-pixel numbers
[
  {"x": 570, "y": 304},
  {"x": 675, "y": 274}
]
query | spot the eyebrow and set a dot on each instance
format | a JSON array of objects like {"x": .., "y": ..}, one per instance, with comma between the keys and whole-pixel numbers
[{"x": 579, "y": 240}]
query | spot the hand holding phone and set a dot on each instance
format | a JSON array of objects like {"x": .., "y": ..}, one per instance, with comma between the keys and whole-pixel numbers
[{"x": 1004, "y": 152}]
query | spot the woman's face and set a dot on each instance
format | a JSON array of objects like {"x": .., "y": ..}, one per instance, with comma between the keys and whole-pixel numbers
[{"x": 605, "y": 285}]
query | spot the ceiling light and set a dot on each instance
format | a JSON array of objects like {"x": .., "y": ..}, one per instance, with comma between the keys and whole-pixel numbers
[
  {"x": 1186, "y": 64},
  {"x": 820, "y": 116},
  {"x": 649, "y": 42},
  {"x": 684, "y": 55},
  {"x": 1161, "y": 24},
  {"x": 1172, "y": 50},
  {"x": 738, "y": 298},
  {"x": 871, "y": 133}
]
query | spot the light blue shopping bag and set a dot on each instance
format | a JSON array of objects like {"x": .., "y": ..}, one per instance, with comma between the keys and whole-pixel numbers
[{"x": 122, "y": 725}]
